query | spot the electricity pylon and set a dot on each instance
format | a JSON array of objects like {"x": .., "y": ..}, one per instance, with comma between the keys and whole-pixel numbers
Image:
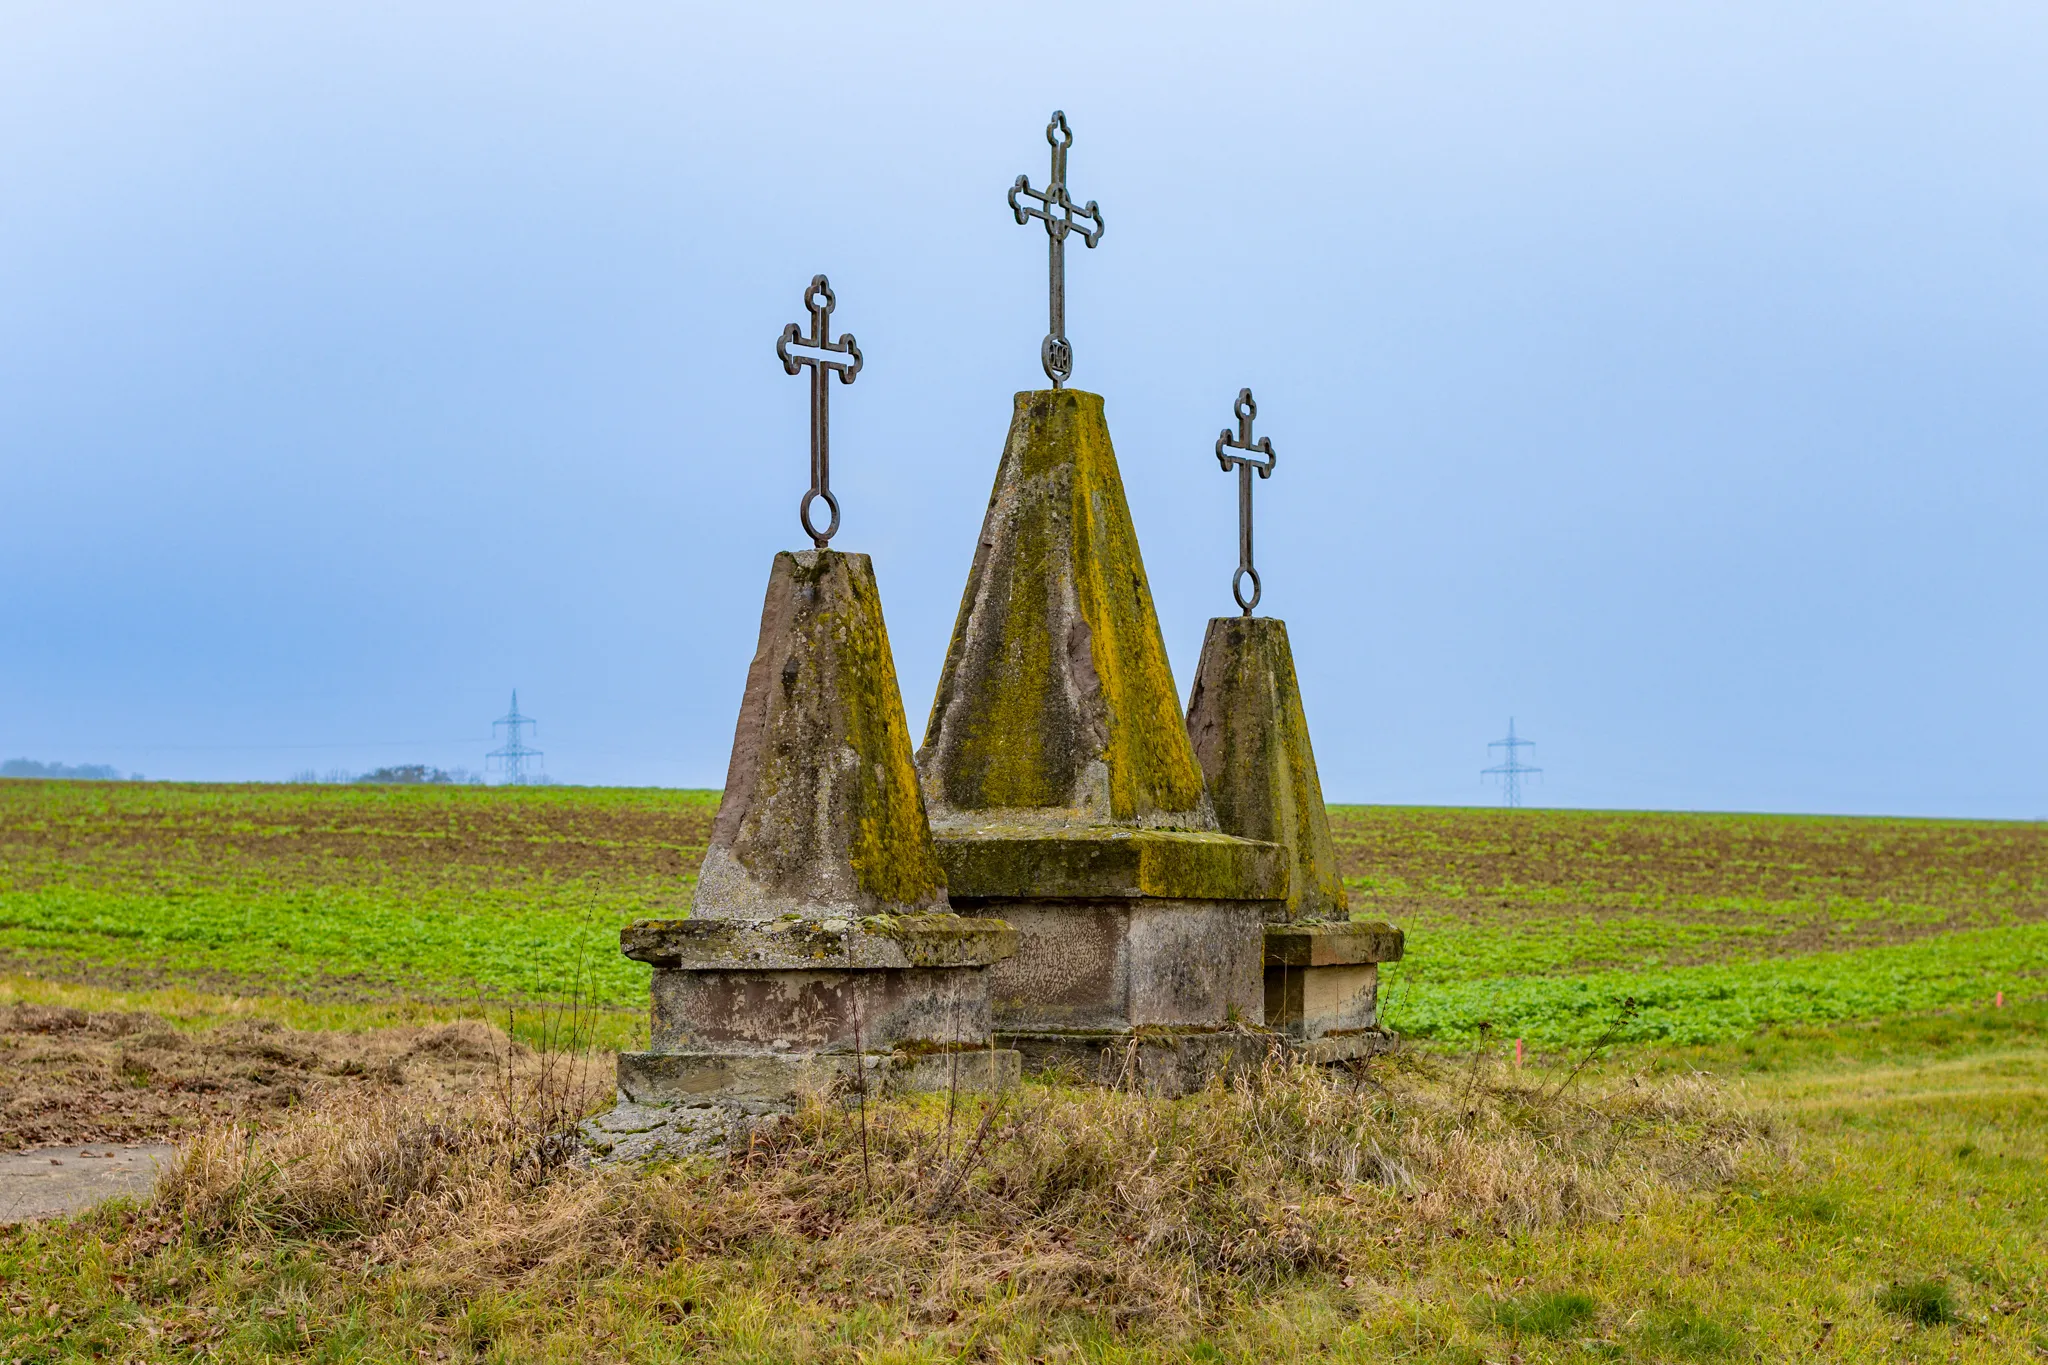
[
  {"x": 1514, "y": 770},
  {"x": 511, "y": 759}
]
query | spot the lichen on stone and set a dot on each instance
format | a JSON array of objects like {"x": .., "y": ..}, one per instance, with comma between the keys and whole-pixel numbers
[
  {"x": 822, "y": 812},
  {"x": 1250, "y": 733},
  {"x": 1056, "y": 692}
]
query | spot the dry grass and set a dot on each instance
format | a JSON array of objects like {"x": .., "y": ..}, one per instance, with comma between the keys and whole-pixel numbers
[
  {"x": 77, "y": 1075},
  {"x": 1055, "y": 1198}
]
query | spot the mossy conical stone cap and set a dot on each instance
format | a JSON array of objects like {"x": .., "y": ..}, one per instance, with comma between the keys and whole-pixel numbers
[
  {"x": 1056, "y": 700},
  {"x": 1249, "y": 731},
  {"x": 821, "y": 814}
]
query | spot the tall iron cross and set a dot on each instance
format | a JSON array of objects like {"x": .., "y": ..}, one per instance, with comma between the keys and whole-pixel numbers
[
  {"x": 1061, "y": 216},
  {"x": 818, "y": 298},
  {"x": 1246, "y": 409}
]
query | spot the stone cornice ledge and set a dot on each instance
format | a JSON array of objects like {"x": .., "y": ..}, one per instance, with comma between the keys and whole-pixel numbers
[
  {"x": 1337, "y": 944},
  {"x": 799, "y": 943},
  {"x": 1092, "y": 862}
]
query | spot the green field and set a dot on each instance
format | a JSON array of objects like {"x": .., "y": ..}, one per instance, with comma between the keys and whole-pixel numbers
[
  {"x": 1536, "y": 924},
  {"x": 1816, "y": 1135}
]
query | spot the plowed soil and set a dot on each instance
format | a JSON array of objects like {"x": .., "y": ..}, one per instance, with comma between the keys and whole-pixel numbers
[{"x": 73, "y": 1076}]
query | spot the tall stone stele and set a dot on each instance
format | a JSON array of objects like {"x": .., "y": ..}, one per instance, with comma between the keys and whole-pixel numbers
[
  {"x": 1063, "y": 790},
  {"x": 820, "y": 946},
  {"x": 1251, "y": 736}
]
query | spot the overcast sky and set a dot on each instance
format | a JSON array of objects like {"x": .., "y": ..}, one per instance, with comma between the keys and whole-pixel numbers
[{"x": 1668, "y": 377}]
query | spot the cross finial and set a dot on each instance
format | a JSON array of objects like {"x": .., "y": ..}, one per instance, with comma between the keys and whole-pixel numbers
[
  {"x": 1061, "y": 216},
  {"x": 819, "y": 299},
  {"x": 1246, "y": 409}
]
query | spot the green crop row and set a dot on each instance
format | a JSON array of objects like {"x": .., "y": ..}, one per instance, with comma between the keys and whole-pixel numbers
[{"x": 1719, "y": 1000}]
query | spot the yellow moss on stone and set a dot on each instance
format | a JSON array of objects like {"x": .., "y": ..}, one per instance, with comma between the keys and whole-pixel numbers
[
  {"x": 1251, "y": 735},
  {"x": 1056, "y": 691},
  {"x": 822, "y": 807}
]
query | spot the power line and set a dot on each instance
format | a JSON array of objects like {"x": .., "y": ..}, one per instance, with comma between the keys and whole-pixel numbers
[
  {"x": 512, "y": 757},
  {"x": 1514, "y": 770},
  {"x": 269, "y": 748}
]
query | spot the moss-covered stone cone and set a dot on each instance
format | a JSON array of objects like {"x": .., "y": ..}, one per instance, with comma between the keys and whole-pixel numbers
[
  {"x": 1056, "y": 695},
  {"x": 1251, "y": 737},
  {"x": 822, "y": 812}
]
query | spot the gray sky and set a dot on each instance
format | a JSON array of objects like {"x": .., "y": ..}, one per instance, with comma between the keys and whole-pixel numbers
[{"x": 1668, "y": 376}]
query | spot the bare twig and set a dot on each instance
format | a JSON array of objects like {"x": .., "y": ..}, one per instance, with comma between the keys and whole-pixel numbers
[
  {"x": 860, "y": 1091},
  {"x": 1628, "y": 1012},
  {"x": 956, "y": 1178}
]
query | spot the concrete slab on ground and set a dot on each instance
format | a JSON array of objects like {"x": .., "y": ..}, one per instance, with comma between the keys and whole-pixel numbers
[{"x": 55, "y": 1182}]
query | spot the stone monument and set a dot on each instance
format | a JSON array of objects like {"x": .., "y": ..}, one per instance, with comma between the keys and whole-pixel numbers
[
  {"x": 1064, "y": 792},
  {"x": 1251, "y": 737},
  {"x": 820, "y": 949}
]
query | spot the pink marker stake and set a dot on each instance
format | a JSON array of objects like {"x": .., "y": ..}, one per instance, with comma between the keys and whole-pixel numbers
[
  {"x": 2000, "y": 1002},
  {"x": 1518, "y": 1046}
]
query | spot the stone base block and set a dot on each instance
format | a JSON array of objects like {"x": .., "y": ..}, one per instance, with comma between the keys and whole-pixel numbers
[
  {"x": 1162, "y": 1062},
  {"x": 1118, "y": 965},
  {"x": 1343, "y": 1047},
  {"x": 681, "y": 1104},
  {"x": 1323, "y": 979},
  {"x": 1171, "y": 1062},
  {"x": 807, "y": 984},
  {"x": 774, "y": 1082},
  {"x": 749, "y": 1012}
]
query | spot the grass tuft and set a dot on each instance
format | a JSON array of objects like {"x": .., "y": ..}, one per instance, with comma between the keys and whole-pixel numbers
[
  {"x": 1686, "y": 1332},
  {"x": 1930, "y": 1303},
  {"x": 1555, "y": 1314}
]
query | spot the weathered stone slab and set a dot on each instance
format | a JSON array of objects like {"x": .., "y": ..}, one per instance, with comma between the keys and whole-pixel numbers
[
  {"x": 689, "y": 1104},
  {"x": 1251, "y": 737},
  {"x": 1339, "y": 944},
  {"x": 1129, "y": 964},
  {"x": 817, "y": 1008},
  {"x": 822, "y": 813},
  {"x": 1323, "y": 979},
  {"x": 798, "y": 942},
  {"x": 985, "y": 859},
  {"x": 763, "y": 1083},
  {"x": 1164, "y": 1062}
]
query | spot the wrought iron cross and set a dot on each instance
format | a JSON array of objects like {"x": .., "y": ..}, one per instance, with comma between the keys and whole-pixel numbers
[
  {"x": 1246, "y": 409},
  {"x": 818, "y": 298},
  {"x": 1061, "y": 216}
]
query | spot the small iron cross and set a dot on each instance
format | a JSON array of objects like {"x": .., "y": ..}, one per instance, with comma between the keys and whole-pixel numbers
[
  {"x": 818, "y": 298},
  {"x": 1061, "y": 216},
  {"x": 1246, "y": 409}
]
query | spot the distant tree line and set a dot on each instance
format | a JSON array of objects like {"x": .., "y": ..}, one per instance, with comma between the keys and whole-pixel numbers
[
  {"x": 398, "y": 774},
  {"x": 83, "y": 772}
]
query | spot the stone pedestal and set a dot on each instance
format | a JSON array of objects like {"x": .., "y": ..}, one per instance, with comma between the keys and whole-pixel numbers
[
  {"x": 1250, "y": 735},
  {"x": 821, "y": 950},
  {"x": 759, "y": 1012},
  {"x": 1119, "y": 929},
  {"x": 1322, "y": 986},
  {"x": 1065, "y": 795}
]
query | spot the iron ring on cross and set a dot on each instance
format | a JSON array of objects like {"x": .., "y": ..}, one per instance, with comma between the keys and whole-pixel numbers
[
  {"x": 820, "y": 538},
  {"x": 1057, "y": 355},
  {"x": 1237, "y": 591}
]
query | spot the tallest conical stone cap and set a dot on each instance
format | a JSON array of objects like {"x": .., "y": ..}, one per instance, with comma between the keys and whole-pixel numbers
[{"x": 1056, "y": 701}]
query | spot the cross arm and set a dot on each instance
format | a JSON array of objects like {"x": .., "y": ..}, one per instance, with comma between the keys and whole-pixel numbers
[
  {"x": 794, "y": 360},
  {"x": 1263, "y": 446},
  {"x": 1056, "y": 211}
]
